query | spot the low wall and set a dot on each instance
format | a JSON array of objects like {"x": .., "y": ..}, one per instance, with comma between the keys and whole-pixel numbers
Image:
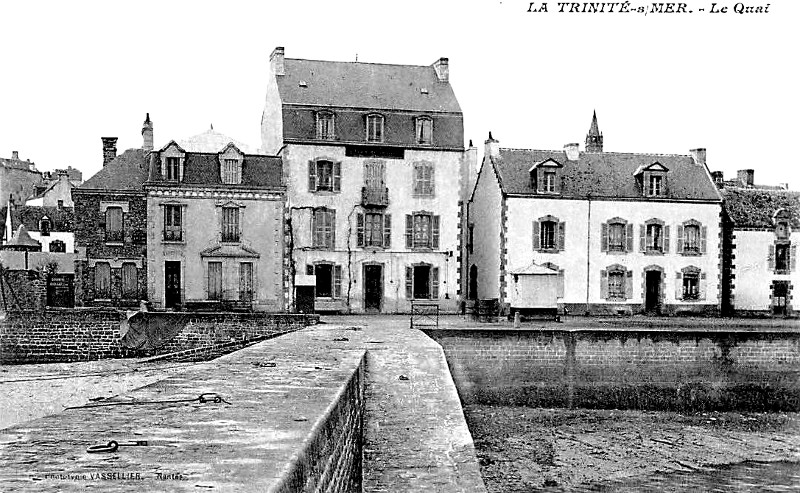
[
  {"x": 638, "y": 369},
  {"x": 85, "y": 334}
]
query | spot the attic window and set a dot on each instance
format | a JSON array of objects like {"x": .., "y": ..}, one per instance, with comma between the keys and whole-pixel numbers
[
  {"x": 302, "y": 83},
  {"x": 44, "y": 226},
  {"x": 423, "y": 90}
]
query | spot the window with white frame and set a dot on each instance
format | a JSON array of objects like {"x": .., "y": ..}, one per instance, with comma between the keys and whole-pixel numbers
[
  {"x": 324, "y": 176},
  {"x": 173, "y": 169},
  {"x": 655, "y": 186},
  {"x": 231, "y": 172},
  {"x": 654, "y": 238},
  {"x": 44, "y": 226},
  {"x": 549, "y": 181},
  {"x": 374, "y": 128},
  {"x": 173, "y": 223},
  {"x": 323, "y": 228},
  {"x": 548, "y": 234},
  {"x": 691, "y": 238},
  {"x": 325, "y": 125},
  {"x": 424, "y": 133}
]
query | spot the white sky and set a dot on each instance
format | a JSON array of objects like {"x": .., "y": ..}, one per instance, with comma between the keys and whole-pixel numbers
[{"x": 75, "y": 71}]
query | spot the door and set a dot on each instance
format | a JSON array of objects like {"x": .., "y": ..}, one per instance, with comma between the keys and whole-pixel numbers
[
  {"x": 780, "y": 295},
  {"x": 652, "y": 291},
  {"x": 373, "y": 288},
  {"x": 172, "y": 284}
]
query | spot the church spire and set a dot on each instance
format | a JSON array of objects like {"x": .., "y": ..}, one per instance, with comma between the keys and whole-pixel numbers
[{"x": 594, "y": 139}]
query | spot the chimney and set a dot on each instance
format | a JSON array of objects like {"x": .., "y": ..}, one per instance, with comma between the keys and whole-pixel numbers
[
  {"x": 15, "y": 155},
  {"x": 147, "y": 134},
  {"x": 442, "y": 68},
  {"x": 492, "y": 147},
  {"x": 276, "y": 61},
  {"x": 572, "y": 151},
  {"x": 698, "y": 155},
  {"x": 718, "y": 177},
  {"x": 109, "y": 149},
  {"x": 745, "y": 177}
]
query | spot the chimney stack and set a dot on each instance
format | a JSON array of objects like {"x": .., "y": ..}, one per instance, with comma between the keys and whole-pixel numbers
[
  {"x": 109, "y": 149},
  {"x": 698, "y": 155},
  {"x": 745, "y": 177},
  {"x": 15, "y": 155},
  {"x": 442, "y": 68},
  {"x": 276, "y": 61},
  {"x": 147, "y": 134},
  {"x": 573, "y": 151},
  {"x": 492, "y": 147}
]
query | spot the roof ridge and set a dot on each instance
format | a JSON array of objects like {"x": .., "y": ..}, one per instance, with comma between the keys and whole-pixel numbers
[
  {"x": 603, "y": 152},
  {"x": 362, "y": 63}
]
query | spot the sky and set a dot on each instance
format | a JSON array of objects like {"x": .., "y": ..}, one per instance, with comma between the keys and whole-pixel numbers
[{"x": 661, "y": 83}]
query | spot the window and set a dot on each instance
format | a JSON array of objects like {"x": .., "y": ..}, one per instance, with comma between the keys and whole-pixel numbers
[
  {"x": 424, "y": 183},
  {"x": 323, "y": 227},
  {"x": 691, "y": 239},
  {"x": 324, "y": 176},
  {"x": 654, "y": 239},
  {"x": 655, "y": 186},
  {"x": 114, "y": 231},
  {"x": 422, "y": 230},
  {"x": 616, "y": 285},
  {"x": 616, "y": 237},
  {"x": 691, "y": 286},
  {"x": 422, "y": 282},
  {"x": 471, "y": 239},
  {"x": 102, "y": 280},
  {"x": 548, "y": 234},
  {"x": 231, "y": 172},
  {"x": 374, "y": 230},
  {"x": 325, "y": 126},
  {"x": 58, "y": 246},
  {"x": 230, "y": 224},
  {"x": 549, "y": 181},
  {"x": 329, "y": 280},
  {"x": 215, "y": 280},
  {"x": 782, "y": 257},
  {"x": 424, "y": 132},
  {"x": 60, "y": 204},
  {"x": 173, "y": 169},
  {"x": 130, "y": 281},
  {"x": 173, "y": 230},
  {"x": 44, "y": 226},
  {"x": 246, "y": 281},
  {"x": 374, "y": 128},
  {"x": 782, "y": 231}
]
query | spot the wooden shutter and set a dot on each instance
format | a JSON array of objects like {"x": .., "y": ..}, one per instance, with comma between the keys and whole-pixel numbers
[
  {"x": 332, "y": 219},
  {"x": 679, "y": 245},
  {"x": 409, "y": 283},
  {"x": 771, "y": 257},
  {"x": 562, "y": 226},
  {"x": 337, "y": 177},
  {"x": 629, "y": 237},
  {"x": 387, "y": 231},
  {"x": 360, "y": 229},
  {"x": 703, "y": 234},
  {"x": 793, "y": 258},
  {"x": 560, "y": 284},
  {"x": 432, "y": 175},
  {"x": 604, "y": 237},
  {"x": 536, "y": 244},
  {"x": 337, "y": 281},
  {"x": 409, "y": 231},
  {"x": 603, "y": 284},
  {"x": 642, "y": 238},
  {"x": 702, "y": 285},
  {"x": 628, "y": 284},
  {"x": 666, "y": 239},
  {"x": 434, "y": 283},
  {"x": 312, "y": 176},
  {"x": 678, "y": 286},
  {"x": 435, "y": 231}
]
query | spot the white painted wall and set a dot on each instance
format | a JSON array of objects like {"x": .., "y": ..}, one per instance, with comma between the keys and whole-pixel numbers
[
  {"x": 484, "y": 213},
  {"x": 753, "y": 277}
]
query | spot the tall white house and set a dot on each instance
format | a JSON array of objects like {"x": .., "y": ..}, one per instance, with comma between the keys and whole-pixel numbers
[
  {"x": 373, "y": 157},
  {"x": 594, "y": 232}
]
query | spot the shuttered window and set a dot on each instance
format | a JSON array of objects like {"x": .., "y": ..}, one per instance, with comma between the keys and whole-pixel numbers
[
  {"x": 173, "y": 229},
  {"x": 549, "y": 234},
  {"x": 114, "y": 231},
  {"x": 424, "y": 130},
  {"x": 422, "y": 230},
  {"x": 373, "y": 230},
  {"x": 231, "y": 172},
  {"x": 422, "y": 282},
  {"x": 246, "y": 281},
  {"x": 424, "y": 180},
  {"x": 323, "y": 224},
  {"x": 130, "y": 280},
  {"x": 616, "y": 283},
  {"x": 374, "y": 128},
  {"x": 215, "y": 280},
  {"x": 325, "y": 126},
  {"x": 102, "y": 280},
  {"x": 324, "y": 176},
  {"x": 230, "y": 224}
]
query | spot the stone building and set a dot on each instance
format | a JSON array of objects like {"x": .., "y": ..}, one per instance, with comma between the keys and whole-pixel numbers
[
  {"x": 110, "y": 235},
  {"x": 53, "y": 227},
  {"x": 761, "y": 234},
  {"x": 56, "y": 189},
  {"x": 373, "y": 158},
  {"x": 18, "y": 179},
  {"x": 619, "y": 232},
  {"x": 215, "y": 237}
]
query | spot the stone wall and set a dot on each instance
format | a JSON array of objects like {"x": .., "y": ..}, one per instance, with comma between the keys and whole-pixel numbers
[
  {"x": 23, "y": 289},
  {"x": 62, "y": 335},
  {"x": 638, "y": 369}
]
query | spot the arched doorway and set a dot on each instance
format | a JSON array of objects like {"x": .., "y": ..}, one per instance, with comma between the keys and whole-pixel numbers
[{"x": 473, "y": 282}]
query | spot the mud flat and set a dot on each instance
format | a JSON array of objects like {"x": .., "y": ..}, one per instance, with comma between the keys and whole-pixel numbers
[{"x": 522, "y": 449}]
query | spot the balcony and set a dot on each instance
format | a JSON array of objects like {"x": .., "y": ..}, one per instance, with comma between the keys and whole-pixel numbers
[{"x": 375, "y": 196}]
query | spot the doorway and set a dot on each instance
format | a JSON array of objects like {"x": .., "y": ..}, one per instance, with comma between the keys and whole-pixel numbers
[
  {"x": 422, "y": 282},
  {"x": 373, "y": 288},
  {"x": 473, "y": 282},
  {"x": 652, "y": 299},
  {"x": 780, "y": 297},
  {"x": 172, "y": 284}
]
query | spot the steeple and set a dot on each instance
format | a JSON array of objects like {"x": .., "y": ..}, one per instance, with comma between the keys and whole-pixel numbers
[
  {"x": 594, "y": 139},
  {"x": 147, "y": 134}
]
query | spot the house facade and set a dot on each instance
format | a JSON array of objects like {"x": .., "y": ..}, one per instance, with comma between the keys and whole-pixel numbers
[
  {"x": 621, "y": 233},
  {"x": 18, "y": 179},
  {"x": 215, "y": 237},
  {"x": 373, "y": 160},
  {"x": 762, "y": 231}
]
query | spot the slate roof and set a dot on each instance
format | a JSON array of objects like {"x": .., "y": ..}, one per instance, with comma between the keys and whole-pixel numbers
[
  {"x": 22, "y": 239},
  {"x": 211, "y": 141},
  {"x": 61, "y": 220},
  {"x": 257, "y": 170},
  {"x": 754, "y": 208},
  {"x": 128, "y": 171},
  {"x": 605, "y": 174},
  {"x": 365, "y": 85}
]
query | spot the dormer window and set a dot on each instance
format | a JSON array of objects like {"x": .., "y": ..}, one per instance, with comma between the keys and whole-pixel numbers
[
  {"x": 544, "y": 176},
  {"x": 652, "y": 179},
  {"x": 173, "y": 169},
  {"x": 782, "y": 231},
  {"x": 231, "y": 159},
  {"x": 44, "y": 226},
  {"x": 374, "y": 128},
  {"x": 172, "y": 162},
  {"x": 549, "y": 182},
  {"x": 655, "y": 187},
  {"x": 424, "y": 132},
  {"x": 325, "y": 126}
]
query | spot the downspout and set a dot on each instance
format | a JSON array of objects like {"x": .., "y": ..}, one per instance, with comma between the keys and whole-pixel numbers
[{"x": 588, "y": 248}]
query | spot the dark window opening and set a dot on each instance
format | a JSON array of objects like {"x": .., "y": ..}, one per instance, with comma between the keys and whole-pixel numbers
[
  {"x": 422, "y": 282},
  {"x": 691, "y": 286},
  {"x": 548, "y": 235},
  {"x": 782, "y": 257}
]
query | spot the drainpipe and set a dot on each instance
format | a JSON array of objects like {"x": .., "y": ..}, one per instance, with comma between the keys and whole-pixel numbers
[{"x": 588, "y": 248}]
